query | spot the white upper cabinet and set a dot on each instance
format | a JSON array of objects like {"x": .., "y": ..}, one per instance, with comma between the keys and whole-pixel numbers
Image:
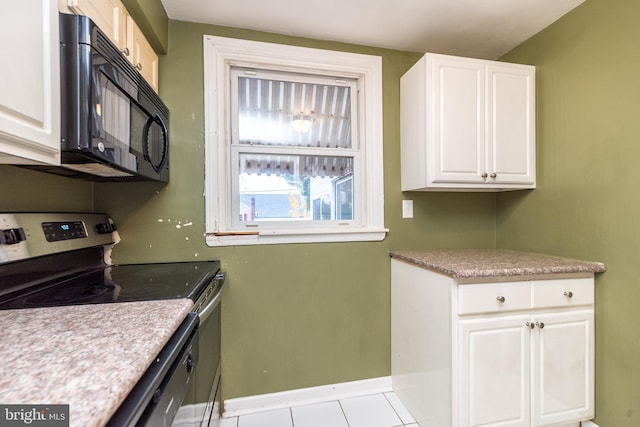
[
  {"x": 467, "y": 125},
  {"x": 113, "y": 19},
  {"x": 141, "y": 54},
  {"x": 29, "y": 83},
  {"x": 109, "y": 15}
]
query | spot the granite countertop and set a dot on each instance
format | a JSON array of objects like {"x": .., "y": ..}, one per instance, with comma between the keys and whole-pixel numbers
[
  {"x": 486, "y": 263},
  {"x": 87, "y": 356}
]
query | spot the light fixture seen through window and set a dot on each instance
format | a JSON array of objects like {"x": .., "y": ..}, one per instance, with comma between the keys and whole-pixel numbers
[{"x": 301, "y": 123}]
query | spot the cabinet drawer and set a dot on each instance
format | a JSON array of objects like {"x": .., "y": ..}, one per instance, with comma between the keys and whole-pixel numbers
[
  {"x": 562, "y": 292},
  {"x": 494, "y": 297}
]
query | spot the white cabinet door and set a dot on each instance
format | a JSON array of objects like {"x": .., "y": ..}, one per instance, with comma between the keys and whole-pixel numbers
[
  {"x": 142, "y": 55},
  {"x": 29, "y": 82},
  {"x": 109, "y": 15},
  {"x": 494, "y": 369},
  {"x": 458, "y": 91},
  {"x": 510, "y": 124},
  {"x": 113, "y": 19},
  {"x": 563, "y": 366}
]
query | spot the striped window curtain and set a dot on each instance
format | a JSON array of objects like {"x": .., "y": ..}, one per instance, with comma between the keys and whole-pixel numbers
[{"x": 267, "y": 109}]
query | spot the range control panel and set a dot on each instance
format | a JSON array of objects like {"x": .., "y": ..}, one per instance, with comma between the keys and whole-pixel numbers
[
  {"x": 27, "y": 235},
  {"x": 56, "y": 231}
]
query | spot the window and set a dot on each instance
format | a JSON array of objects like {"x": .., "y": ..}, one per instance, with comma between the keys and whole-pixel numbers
[{"x": 293, "y": 144}]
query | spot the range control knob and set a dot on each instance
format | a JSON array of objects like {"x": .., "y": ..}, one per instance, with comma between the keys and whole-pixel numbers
[
  {"x": 11, "y": 236},
  {"x": 190, "y": 363},
  {"x": 106, "y": 228},
  {"x": 156, "y": 395}
]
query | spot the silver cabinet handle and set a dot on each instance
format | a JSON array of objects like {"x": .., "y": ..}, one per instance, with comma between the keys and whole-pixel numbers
[
  {"x": 540, "y": 325},
  {"x": 500, "y": 299},
  {"x": 493, "y": 175},
  {"x": 568, "y": 294},
  {"x": 484, "y": 175},
  {"x": 139, "y": 66},
  {"x": 530, "y": 325},
  {"x": 125, "y": 51}
]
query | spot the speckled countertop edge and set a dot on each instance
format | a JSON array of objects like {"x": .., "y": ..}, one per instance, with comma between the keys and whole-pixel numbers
[
  {"x": 478, "y": 263},
  {"x": 87, "y": 356}
]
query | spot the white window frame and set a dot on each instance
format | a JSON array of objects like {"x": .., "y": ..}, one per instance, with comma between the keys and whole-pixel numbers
[
  {"x": 220, "y": 55},
  {"x": 238, "y": 148}
]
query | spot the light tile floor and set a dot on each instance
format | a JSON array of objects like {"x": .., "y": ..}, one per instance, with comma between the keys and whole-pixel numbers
[{"x": 376, "y": 410}]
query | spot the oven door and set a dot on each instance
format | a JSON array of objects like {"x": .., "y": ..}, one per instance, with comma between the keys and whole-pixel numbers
[{"x": 201, "y": 406}]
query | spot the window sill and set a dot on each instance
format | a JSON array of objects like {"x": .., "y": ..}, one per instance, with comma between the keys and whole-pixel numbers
[{"x": 275, "y": 237}]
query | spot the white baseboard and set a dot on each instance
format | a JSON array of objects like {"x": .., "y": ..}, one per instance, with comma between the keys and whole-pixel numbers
[
  {"x": 588, "y": 424},
  {"x": 305, "y": 396}
]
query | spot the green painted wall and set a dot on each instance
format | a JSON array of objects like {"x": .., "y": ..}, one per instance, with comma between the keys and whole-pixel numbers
[
  {"x": 587, "y": 203},
  {"x": 23, "y": 190},
  {"x": 294, "y": 315}
]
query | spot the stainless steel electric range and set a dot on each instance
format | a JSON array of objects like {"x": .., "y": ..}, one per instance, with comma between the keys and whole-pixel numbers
[{"x": 57, "y": 259}]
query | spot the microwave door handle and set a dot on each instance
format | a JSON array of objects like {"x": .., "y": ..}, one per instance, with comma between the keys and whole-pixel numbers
[
  {"x": 145, "y": 147},
  {"x": 165, "y": 145},
  {"x": 145, "y": 141}
]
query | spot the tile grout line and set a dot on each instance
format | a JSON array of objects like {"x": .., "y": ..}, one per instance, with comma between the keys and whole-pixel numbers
[
  {"x": 343, "y": 413},
  {"x": 394, "y": 410}
]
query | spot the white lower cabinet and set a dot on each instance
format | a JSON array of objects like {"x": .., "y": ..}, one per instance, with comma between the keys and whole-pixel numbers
[
  {"x": 526, "y": 370},
  {"x": 508, "y": 354}
]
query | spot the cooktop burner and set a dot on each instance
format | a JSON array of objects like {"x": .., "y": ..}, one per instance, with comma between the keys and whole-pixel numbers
[{"x": 71, "y": 295}]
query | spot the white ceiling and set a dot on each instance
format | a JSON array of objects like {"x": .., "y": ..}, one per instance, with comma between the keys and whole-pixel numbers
[{"x": 475, "y": 28}]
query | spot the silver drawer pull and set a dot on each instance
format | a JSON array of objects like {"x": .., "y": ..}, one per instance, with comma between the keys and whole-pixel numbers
[
  {"x": 500, "y": 299},
  {"x": 540, "y": 325},
  {"x": 568, "y": 294},
  {"x": 530, "y": 325}
]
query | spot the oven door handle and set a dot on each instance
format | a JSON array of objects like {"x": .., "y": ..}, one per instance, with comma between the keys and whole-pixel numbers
[{"x": 211, "y": 305}]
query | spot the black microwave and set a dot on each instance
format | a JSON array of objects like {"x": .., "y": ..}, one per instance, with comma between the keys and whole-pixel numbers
[{"x": 114, "y": 126}]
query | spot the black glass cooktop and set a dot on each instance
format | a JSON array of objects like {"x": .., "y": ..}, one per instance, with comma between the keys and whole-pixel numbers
[{"x": 118, "y": 283}]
